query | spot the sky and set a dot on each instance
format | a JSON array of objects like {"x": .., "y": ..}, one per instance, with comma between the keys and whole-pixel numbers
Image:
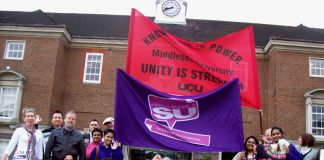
[{"x": 278, "y": 12}]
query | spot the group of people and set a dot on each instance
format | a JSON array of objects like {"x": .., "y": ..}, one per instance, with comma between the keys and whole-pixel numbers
[
  {"x": 62, "y": 141},
  {"x": 273, "y": 146},
  {"x": 101, "y": 144}
]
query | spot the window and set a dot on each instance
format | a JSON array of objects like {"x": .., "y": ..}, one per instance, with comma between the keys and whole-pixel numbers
[
  {"x": 318, "y": 120},
  {"x": 14, "y": 50},
  {"x": 11, "y": 85},
  {"x": 315, "y": 113},
  {"x": 92, "y": 69},
  {"x": 8, "y": 102},
  {"x": 316, "y": 67}
]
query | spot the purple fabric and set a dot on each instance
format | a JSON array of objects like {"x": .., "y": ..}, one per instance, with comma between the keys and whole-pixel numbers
[
  {"x": 210, "y": 122},
  {"x": 106, "y": 153}
]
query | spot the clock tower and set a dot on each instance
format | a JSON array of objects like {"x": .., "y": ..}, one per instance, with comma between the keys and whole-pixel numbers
[{"x": 171, "y": 11}]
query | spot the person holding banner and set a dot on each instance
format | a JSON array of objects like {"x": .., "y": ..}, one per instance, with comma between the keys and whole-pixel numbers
[
  {"x": 109, "y": 149},
  {"x": 249, "y": 152},
  {"x": 280, "y": 149},
  {"x": 27, "y": 139}
]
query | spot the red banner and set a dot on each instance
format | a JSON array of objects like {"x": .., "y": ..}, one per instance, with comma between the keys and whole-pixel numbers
[{"x": 176, "y": 66}]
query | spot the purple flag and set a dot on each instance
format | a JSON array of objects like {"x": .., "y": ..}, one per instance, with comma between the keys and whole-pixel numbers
[{"x": 210, "y": 122}]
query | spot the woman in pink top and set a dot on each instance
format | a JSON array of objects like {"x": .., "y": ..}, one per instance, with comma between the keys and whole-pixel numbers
[{"x": 96, "y": 136}]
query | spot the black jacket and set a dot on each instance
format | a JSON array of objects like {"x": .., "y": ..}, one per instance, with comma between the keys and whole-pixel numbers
[
  {"x": 49, "y": 129},
  {"x": 86, "y": 136},
  {"x": 62, "y": 142}
]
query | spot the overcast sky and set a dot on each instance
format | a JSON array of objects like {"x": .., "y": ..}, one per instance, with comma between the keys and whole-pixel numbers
[{"x": 279, "y": 12}]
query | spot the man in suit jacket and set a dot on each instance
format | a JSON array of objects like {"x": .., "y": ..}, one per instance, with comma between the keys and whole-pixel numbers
[{"x": 88, "y": 136}]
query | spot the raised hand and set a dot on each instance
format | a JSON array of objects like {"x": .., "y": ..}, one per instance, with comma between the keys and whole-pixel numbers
[
  {"x": 254, "y": 148},
  {"x": 115, "y": 144},
  {"x": 264, "y": 139},
  {"x": 38, "y": 119}
]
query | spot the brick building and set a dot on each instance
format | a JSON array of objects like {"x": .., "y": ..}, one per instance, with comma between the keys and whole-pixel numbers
[{"x": 64, "y": 61}]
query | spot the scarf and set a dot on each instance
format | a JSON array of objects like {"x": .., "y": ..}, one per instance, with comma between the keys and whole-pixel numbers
[
  {"x": 274, "y": 151},
  {"x": 31, "y": 155}
]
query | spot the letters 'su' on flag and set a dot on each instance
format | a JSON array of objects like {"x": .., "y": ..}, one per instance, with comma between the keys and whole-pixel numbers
[
  {"x": 209, "y": 122},
  {"x": 176, "y": 66}
]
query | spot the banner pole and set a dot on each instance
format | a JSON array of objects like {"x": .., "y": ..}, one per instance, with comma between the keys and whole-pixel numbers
[{"x": 261, "y": 117}]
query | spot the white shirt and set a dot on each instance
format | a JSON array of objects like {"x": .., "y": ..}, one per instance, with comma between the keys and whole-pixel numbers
[
  {"x": 304, "y": 150},
  {"x": 250, "y": 156},
  {"x": 20, "y": 138},
  {"x": 91, "y": 137}
]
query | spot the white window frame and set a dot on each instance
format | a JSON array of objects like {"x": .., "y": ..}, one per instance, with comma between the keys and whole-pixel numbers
[
  {"x": 15, "y": 101},
  {"x": 309, "y": 113},
  {"x": 86, "y": 66},
  {"x": 8, "y": 43},
  {"x": 12, "y": 79},
  {"x": 311, "y": 67}
]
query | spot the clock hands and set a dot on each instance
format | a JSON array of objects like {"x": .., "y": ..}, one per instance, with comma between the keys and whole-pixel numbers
[
  {"x": 167, "y": 8},
  {"x": 170, "y": 8}
]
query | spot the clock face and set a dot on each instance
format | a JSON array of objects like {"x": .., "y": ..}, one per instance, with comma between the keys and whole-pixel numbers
[{"x": 171, "y": 8}]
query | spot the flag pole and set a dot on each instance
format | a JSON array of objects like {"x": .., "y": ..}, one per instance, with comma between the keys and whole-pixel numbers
[{"x": 261, "y": 117}]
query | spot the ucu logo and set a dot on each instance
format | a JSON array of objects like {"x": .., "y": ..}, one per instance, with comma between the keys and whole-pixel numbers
[{"x": 173, "y": 110}]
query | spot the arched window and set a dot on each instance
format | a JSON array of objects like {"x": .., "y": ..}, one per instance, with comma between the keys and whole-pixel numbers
[
  {"x": 315, "y": 113},
  {"x": 11, "y": 85}
]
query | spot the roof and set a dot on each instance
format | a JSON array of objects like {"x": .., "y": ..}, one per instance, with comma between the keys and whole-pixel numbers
[{"x": 116, "y": 27}]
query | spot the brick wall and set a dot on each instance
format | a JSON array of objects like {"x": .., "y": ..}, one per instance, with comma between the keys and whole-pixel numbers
[
  {"x": 59, "y": 81},
  {"x": 38, "y": 66},
  {"x": 91, "y": 100},
  {"x": 288, "y": 81}
]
